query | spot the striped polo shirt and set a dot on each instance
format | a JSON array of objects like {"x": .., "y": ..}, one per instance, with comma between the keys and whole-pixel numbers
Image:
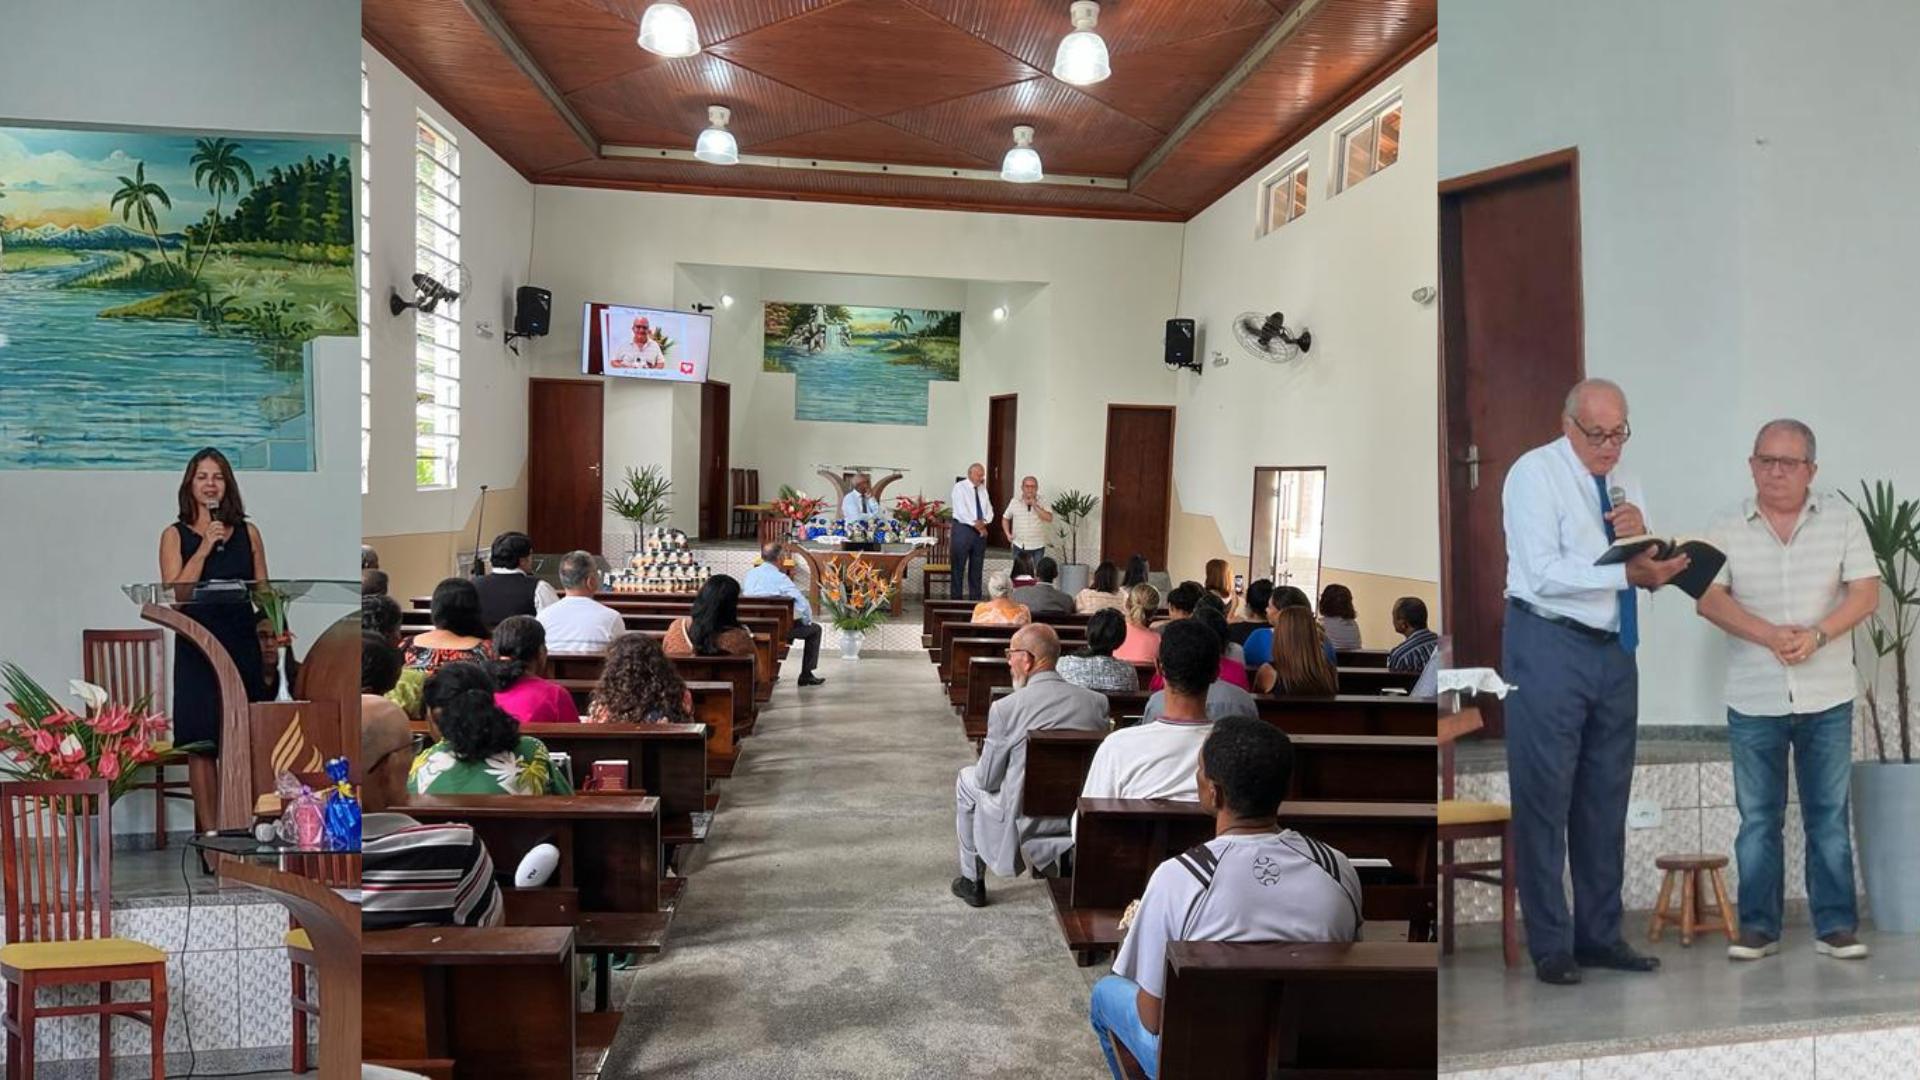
[
  {"x": 424, "y": 875},
  {"x": 1795, "y": 583}
]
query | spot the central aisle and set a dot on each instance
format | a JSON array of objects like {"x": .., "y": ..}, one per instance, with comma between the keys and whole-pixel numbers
[{"x": 817, "y": 937}]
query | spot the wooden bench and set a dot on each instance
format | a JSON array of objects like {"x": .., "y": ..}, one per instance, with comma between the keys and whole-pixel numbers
[
  {"x": 1120, "y": 842},
  {"x": 987, "y": 674},
  {"x": 1362, "y": 658},
  {"x": 662, "y": 621},
  {"x": 961, "y": 642},
  {"x": 1342, "y": 715},
  {"x": 712, "y": 706},
  {"x": 667, "y": 761},
  {"x": 779, "y": 607},
  {"x": 1252, "y": 1010},
  {"x": 759, "y": 667},
  {"x": 1376, "y": 680}
]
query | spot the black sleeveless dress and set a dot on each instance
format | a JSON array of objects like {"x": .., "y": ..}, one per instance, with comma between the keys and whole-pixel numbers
[{"x": 196, "y": 693}]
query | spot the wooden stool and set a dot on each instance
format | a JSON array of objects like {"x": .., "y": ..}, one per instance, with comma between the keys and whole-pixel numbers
[{"x": 1696, "y": 916}]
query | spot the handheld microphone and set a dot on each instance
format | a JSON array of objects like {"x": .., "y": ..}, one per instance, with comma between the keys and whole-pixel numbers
[
  {"x": 538, "y": 866},
  {"x": 213, "y": 507},
  {"x": 1616, "y": 495}
]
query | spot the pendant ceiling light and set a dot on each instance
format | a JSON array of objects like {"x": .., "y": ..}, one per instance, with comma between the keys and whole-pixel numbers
[
  {"x": 1022, "y": 163},
  {"x": 717, "y": 145},
  {"x": 1082, "y": 56},
  {"x": 667, "y": 29}
]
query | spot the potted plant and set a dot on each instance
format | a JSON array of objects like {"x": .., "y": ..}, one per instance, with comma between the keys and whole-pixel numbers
[
  {"x": 1886, "y": 789},
  {"x": 1070, "y": 508},
  {"x": 644, "y": 498},
  {"x": 855, "y": 596}
]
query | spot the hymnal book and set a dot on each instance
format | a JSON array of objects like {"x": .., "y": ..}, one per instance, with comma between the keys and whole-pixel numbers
[{"x": 1700, "y": 572}]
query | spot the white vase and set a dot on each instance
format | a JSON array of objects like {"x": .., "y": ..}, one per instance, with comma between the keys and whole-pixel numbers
[{"x": 850, "y": 642}]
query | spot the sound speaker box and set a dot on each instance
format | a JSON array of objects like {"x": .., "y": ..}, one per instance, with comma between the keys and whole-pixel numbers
[
  {"x": 1180, "y": 343},
  {"x": 532, "y": 309}
]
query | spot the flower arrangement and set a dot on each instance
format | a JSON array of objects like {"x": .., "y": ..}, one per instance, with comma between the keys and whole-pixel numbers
[
  {"x": 921, "y": 515},
  {"x": 795, "y": 505},
  {"x": 854, "y": 593},
  {"x": 40, "y": 740}
]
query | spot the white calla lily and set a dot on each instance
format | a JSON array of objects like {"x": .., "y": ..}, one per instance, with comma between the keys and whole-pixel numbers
[{"x": 92, "y": 695}]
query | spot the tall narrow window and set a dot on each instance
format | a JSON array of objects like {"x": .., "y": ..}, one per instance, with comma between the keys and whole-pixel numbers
[
  {"x": 1370, "y": 143},
  {"x": 436, "y": 351},
  {"x": 365, "y": 262},
  {"x": 1283, "y": 196}
]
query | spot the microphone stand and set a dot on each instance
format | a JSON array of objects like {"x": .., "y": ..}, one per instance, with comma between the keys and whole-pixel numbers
[{"x": 478, "y": 566}]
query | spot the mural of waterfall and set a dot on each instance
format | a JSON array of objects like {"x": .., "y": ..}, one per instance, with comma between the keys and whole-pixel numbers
[{"x": 861, "y": 365}]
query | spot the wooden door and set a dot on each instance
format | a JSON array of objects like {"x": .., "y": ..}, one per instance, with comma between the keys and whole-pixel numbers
[
  {"x": 716, "y": 418},
  {"x": 565, "y": 419},
  {"x": 1136, "y": 502},
  {"x": 1510, "y": 349},
  {"x": 1003, "y": 413}
]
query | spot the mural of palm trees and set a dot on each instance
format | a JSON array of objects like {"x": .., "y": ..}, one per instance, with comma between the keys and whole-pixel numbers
[
  {"x": 218, "y": 167},
  {"x": 900, "y": 321},
  {"x": 135, "y": 201},
  {"x": 3, "y": 223}
]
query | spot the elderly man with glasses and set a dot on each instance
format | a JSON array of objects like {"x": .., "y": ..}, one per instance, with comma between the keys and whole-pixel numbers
[
  {"x": 1571, "y": 629},
  {"x": 1800, "y": 575}
]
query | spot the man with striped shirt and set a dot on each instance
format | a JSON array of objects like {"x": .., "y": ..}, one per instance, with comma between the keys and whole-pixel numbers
[
  {"x": 413, "y": 874},
  {"x": 1800, "y": 575}
]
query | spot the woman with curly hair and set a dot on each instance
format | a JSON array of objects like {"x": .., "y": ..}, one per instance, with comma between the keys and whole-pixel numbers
[
  {"x": 1338, "y": 618},
  {"x": 639, "y": 686},
  {"x": 481, "y": 750}
]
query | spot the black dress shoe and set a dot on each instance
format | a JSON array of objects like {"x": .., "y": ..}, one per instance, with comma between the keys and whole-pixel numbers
[
  {"x": 1617, "y": 956},
  {"x": 810, "y": 679},
  {"x": 1557, "y": 969},
  {"x": 973, "y": 892}
]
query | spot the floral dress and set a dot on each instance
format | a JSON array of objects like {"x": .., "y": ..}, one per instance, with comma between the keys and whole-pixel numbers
[{"x": 524, "y": 770}]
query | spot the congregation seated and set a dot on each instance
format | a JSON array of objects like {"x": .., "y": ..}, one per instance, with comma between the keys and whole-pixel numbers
[
  {"x": 1338, "y": 620},
  {"x": 380, "y": 616},
  {"x": 459, "y": 635},
  {"x": 638, "y": 685},
  {"x": 1253, "y": 613},
  {"x": 413, "y": 874},
  {"x": 519, "y": 668},
  {"x": 481, "y": 750},
  {"x": 1137, "y": 571},
  {"x": 1417, "y": 643},
  {"x": 577, "y": 623},
  {"x": 1102, "y": 593},
  {"x": 999, "y": 608},
  {"x": 1299, "y": 667},
  {"x": 507, "y": 589},
  {"x": 1230, "y": 671},
  {"x": 1143, "y": 642},
  {"x": 1255, "y": 881},
  {"x": 1210, "y": 602},
  {"x": 373, "y": 582},
  {"x": 987, "y": 811},
  {"x": 1024, "y": 572},
  {"x": 1259, "y": 646},
  {"x": 1181, "y": 600},
  {"x": 1043, "y": 597},
  {"x": 1155, "y": 758},
  {"x": 714, "y": 627},
  {"x": 768, "y": 579},
  {"x": 1094, "y": 666},
  {"x": 1219, "y": 585}
]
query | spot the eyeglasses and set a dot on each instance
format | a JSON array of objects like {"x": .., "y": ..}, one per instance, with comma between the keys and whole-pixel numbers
[
  {"x": 1010, "y": 653},
  {"x": 1598, "y": 439},
  {"x": 1769, "y": 463}
]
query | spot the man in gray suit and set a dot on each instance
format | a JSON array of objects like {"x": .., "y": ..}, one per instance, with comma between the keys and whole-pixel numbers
[
  {"x": 986, "y": 794},
  {"x": 1045, "y": 597}
]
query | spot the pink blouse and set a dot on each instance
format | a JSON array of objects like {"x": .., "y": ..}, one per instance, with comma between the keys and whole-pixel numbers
[
  {"x": 1141, "y": 647},
  {"x": 537, "y": 701}
]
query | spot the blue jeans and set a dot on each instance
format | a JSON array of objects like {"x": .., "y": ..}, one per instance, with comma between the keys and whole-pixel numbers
[
  {"x": 1822, "y": 748},
  {"x": 1115, "y": 1009}
]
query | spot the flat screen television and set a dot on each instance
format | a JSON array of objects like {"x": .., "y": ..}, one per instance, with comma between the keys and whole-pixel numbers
[{"x": 645, "y": 343}]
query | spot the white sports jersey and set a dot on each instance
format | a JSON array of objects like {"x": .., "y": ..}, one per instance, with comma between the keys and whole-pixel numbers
[{"x": 1265, "y": 887}]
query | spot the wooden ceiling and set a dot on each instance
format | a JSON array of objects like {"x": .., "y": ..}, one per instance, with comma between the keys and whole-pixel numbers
[{"x": 549, "y": 84}]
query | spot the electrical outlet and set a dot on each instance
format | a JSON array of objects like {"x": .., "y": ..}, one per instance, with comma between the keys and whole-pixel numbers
[{"x": 1642, "y": 814}]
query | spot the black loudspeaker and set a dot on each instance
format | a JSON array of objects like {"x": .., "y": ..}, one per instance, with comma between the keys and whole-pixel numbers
[
  {"x": 532, "y": 310},
  {"x": 1180, "y": 344}
]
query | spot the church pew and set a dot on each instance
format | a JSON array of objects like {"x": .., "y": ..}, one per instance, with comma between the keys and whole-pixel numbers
[
  {"x": 1347, "y": 714},
  {"x": 1362, "y": 658},
  {"x": 712, "y": 706},
  {"x": 667, "y": 761},
  {"x": 433, "y": 994},
  {"x": 780, "y": 607},
  {"x": 936, "y": 611},
  {"x": 982, "y": 641},
  {"x": 1120, "y": 842},
  {"x": 986, "y": 674},
  {"x": 757, "y": 623},
  {"x": 1354, "y": 768},
  {"x": 1373, "y": 681},
  {"x": 1251, "y": 1010}
]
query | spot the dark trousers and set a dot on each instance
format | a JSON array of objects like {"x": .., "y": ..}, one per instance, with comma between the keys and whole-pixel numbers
[
  {"x": 969, "y": 558},
  {"x": 808, "y": 633},
  {"x": 1570, "y": 731}
]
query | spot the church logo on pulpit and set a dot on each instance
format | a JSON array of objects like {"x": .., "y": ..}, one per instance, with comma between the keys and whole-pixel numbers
[{"x": 861, "y": 365}]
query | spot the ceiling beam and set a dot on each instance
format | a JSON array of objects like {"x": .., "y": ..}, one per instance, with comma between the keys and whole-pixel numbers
[
  {"x": 1240, "y": 73},
  {"x": 496, "y": 27}
]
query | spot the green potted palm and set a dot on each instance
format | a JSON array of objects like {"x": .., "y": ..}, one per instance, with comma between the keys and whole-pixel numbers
[
  {"x": 644, "y": 498},
  {"x": 1070, "y": 508},
  {"x": 1886, "y": 788}
]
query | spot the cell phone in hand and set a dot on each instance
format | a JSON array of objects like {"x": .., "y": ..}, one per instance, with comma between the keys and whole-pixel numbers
[{"x": 1239, "y": 584}]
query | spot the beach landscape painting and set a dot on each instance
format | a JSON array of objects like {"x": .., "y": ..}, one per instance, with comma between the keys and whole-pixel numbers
[
  {"x": 158, "y": 291},
  {"x": 861, "y": 365}
]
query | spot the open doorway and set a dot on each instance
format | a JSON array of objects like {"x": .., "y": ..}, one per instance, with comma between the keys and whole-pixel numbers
[{"x": 1288, "y": 504}]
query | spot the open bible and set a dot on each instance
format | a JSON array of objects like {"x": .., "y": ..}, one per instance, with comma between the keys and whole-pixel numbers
[{"x": 1700, "y": 572}]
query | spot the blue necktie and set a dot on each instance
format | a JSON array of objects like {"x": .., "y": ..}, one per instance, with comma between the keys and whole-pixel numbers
[
  {"x": 1629, "y": 609},
  {"x": 979, "y": 511}
]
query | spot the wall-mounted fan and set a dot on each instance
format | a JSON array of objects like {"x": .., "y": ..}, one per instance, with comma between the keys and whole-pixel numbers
[{"x": 1267, "y": 337}]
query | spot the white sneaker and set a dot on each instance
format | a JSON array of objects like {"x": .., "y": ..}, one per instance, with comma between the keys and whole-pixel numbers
[{"x": 1841, "y": 946}]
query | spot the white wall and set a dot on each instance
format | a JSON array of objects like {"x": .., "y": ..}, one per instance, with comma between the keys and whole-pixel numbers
[
  {"x": 1361, "y": 402},
  {"x": 74, "y": 537},
  {"x": 496, "y": 214},
  {"x": 1746, "y": 180}
]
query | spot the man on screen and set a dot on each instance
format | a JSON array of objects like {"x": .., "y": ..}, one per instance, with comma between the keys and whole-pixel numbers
[{"x": 642, "y": 353}]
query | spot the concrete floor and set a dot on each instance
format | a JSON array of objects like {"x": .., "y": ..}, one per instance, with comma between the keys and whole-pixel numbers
[
  {"x": 817, "y": 937},
  {"x": 1492, "y": 1016}
]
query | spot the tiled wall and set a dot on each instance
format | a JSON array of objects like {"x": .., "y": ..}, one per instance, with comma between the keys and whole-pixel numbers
[
  {"x": 1884, "y": 1054},
  {"x": 228, "y": 978}
]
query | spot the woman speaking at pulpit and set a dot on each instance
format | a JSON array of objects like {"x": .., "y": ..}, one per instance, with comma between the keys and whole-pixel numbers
[{"x": 207, "y": 555}]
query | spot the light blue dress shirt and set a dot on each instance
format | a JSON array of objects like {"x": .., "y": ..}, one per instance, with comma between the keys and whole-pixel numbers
[
  {"x": 1554, "y": 533},
  {"x": 767, "y": 580},
  {"x": 857, "y": 506}
]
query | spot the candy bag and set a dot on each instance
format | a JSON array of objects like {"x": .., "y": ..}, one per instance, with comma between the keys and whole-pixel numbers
[{"x": 343, "y": 809}]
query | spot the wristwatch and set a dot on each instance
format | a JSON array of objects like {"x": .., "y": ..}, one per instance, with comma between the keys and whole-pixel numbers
[{"x": 1819, "y": 638}]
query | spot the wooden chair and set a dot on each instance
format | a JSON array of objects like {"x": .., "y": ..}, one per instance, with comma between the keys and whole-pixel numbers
[
  {"x": 1473, "y": 821},
  {"x": 939, "y": 563},
  {"x": 130, "y": 665},
  {"x": 340, "y": 871},
  {"x": 56, "y": 859}
]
